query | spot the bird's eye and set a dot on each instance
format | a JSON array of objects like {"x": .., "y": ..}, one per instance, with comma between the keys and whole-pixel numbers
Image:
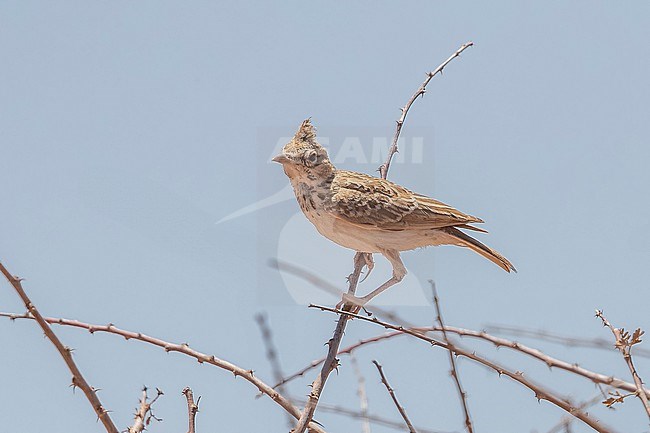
[{"x": 311, "y": 157}]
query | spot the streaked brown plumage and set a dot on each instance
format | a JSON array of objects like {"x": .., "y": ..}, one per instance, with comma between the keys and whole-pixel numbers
[{"x": 371, "y": 214}]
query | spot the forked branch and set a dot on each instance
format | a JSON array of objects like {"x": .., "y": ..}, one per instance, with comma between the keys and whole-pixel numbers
[
  {"x": 144, "y": 413},
  {"x": 624, "y": 341}
]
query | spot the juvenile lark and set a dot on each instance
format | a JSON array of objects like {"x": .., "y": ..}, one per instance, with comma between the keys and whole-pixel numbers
[{"x": 370, "y": 214}]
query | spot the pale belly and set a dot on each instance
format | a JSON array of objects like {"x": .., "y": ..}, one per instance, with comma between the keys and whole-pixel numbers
[{"x": 373, "y": 240}]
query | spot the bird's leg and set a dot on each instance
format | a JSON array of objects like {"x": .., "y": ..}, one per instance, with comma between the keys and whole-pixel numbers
[
  {"x": 360, "y": 260},
  {"x": 399, "y": 272}
]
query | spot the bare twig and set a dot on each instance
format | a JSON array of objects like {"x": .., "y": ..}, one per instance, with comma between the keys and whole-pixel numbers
[
  {"x": 144, "y": 414},
  {"x": 331, "y": 362},
  {"x": 400, "y": 408},
  {"x": 569, "y": 341},
  {"x": 452, "y": 360},
  {"x": 383, "y": 169},
  {"x": 540, "y": 392},
  {"x": 185, "y": 349},
  {"x": 192, "y": 409},
  {"x": 272, "y": 355},
  {"x": 65, "y": 352},
  {"x": 361, "y": 392},
  {"x": 624, "y": 343}
]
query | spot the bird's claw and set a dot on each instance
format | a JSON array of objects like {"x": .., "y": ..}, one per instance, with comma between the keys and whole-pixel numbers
[{"x": 369, "y": 263}]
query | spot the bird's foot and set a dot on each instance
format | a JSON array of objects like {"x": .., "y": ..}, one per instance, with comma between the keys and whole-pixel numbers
[{"x": 351, "y": 303}]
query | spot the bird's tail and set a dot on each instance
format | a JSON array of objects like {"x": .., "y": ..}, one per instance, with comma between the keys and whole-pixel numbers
[{"x": 487, "y": 252}]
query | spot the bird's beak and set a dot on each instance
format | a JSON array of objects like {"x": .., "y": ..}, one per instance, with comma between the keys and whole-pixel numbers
[{"x": 280, "y": 159}]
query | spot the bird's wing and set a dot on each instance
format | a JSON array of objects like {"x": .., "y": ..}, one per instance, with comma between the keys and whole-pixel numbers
[{"x": 370, "y": 201}]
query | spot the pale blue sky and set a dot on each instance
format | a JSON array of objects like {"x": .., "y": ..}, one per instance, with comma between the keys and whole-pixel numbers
[{"x": 128, "y": 129}]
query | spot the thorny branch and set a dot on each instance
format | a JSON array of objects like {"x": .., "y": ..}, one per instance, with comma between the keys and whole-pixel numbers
[
  {"x": 452, "y": 360},
  {"x": 65, "y": 352},
  {"x": 498, "y": 342},
  {"x": 398, "y": 331},
  {"x": 185, "y": 349},
  {"x": 331, "y": 362},
  {"x": 192, "y": 409},
  {"x": 144, "y": 414},
  {"x": 383, "y": 169},
  {"x": 624, "y": 343},
  {"x": 391, "y": 391},
  {"x": 540, "y": 392}
]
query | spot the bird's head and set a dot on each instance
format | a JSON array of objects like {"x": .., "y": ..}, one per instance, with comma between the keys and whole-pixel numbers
[{"x": 303, "y": 156}]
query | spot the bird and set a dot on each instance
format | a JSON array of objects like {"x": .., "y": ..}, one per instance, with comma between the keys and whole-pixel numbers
[{"x": 370, "y": 214}]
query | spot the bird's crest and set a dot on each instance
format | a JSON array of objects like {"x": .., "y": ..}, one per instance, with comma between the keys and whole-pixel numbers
[
  {"x": 306, "y": 132},
  {"x": 303, "y": 140}
]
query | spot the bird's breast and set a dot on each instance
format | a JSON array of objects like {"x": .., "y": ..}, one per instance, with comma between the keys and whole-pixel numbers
[{"x": 313, "y": 200}]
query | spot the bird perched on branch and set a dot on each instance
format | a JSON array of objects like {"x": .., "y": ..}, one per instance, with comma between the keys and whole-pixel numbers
[{"x": 370, "y": 214}]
